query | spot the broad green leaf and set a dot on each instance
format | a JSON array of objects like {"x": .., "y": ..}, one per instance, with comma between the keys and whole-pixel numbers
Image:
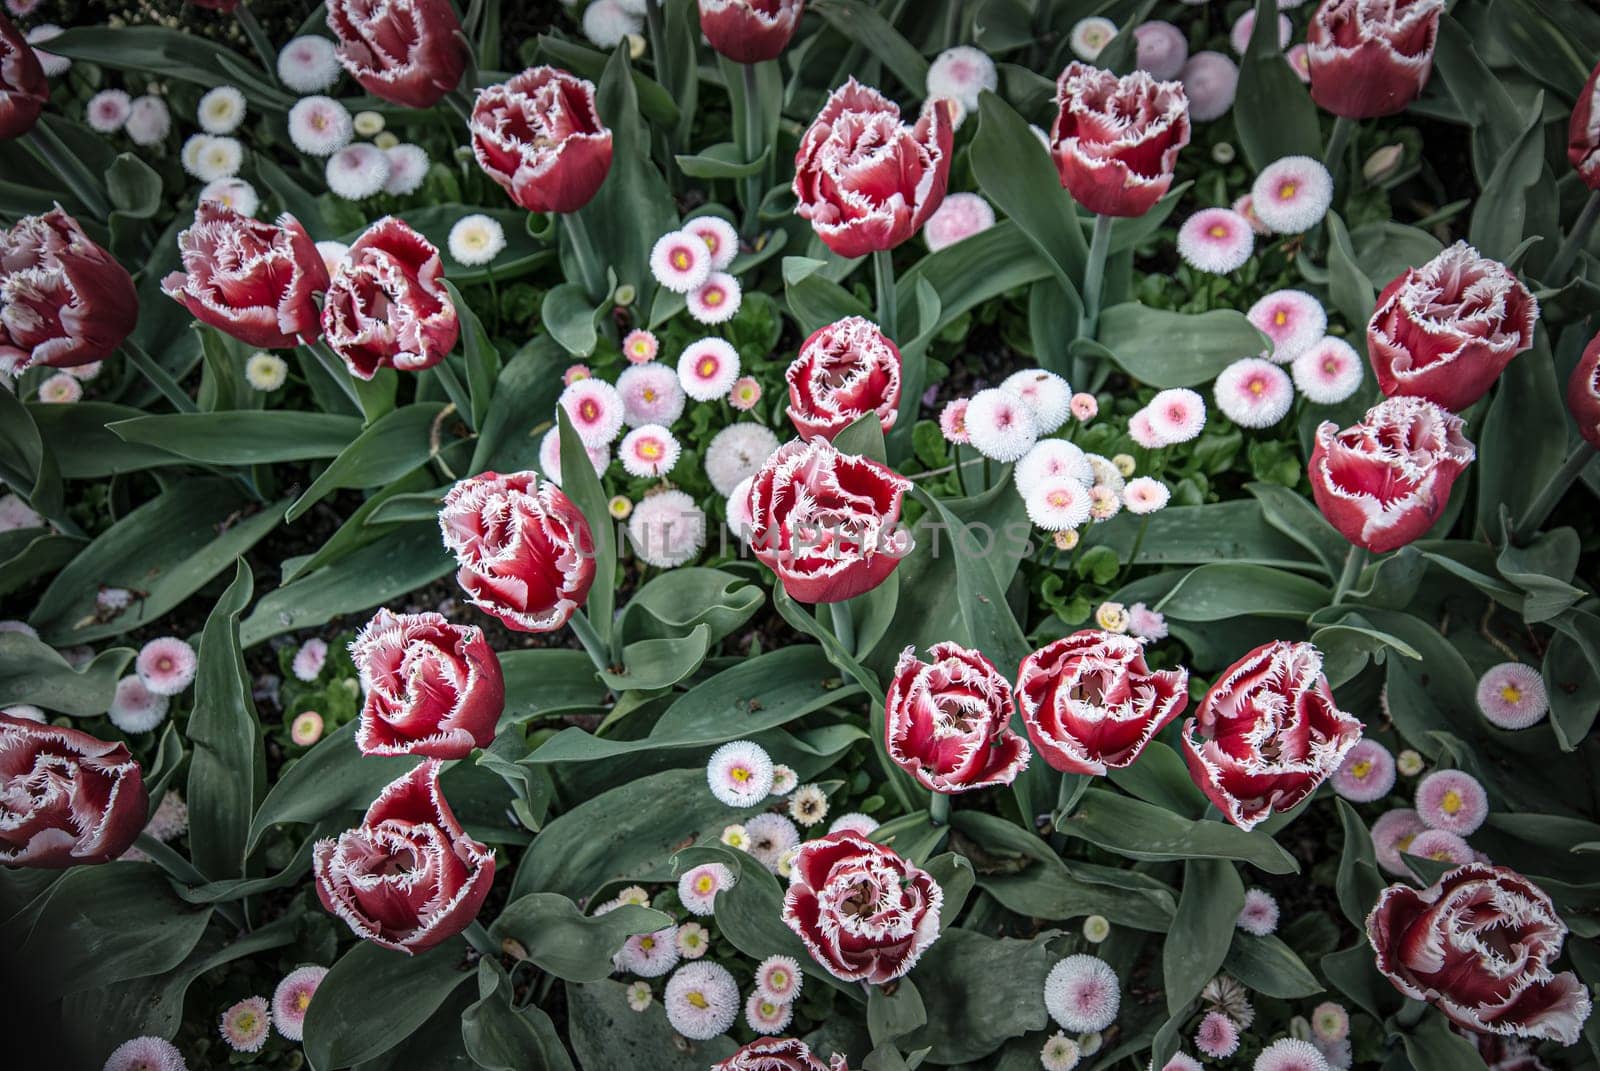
[
  {"x": 561, "y": 939},
  {"x": 655, "y": 103},
  {"x": 1267, "y": 965},
  {"x": 478, "y": 354},
  {"x": 721, "y": 161},
  {"x": 333, "y": 778},
  {"x": 979, "y": 993},
  {"x": 673, "y": 603},
  {"x": 27, "y": 464},
  {"x": 373, "y": 999},
  {"x": 242, "y": 437},
  {"x": 1301, "y": 521},
  {"x": 84, "y": 446},
  {"x": 813, "y": 299},
  {"x": 660, "y": 663},
  {"x": 1202, "y": 929},
  {"x": 390, "y": 447},
  {"x": 1358, "y": 882},
  {"x": 1222, "y": 590},
  {"x": 582, "y": 486},
  {"x": 1237, "y": 531},
  {"x": 1139, "y": 830},
  {"x": 569, "y": 314},
  {"x": 607, "y": 1033},
  {"x": 1499, "y": 215},
  {"x": 862, "y": 23},
  {"x": 33, "y": 672},
  {"x": 1433, "y": 1045},
  {"x": 1174, "y": 349},
  {"x": 500, "y": 1036},
  {"x": 1273, "y": 110},
  {"x": 169, "y": 53},
  {"x": 894, "y": 1013},
  {"x": 1515, "y": 455},
  {"x": 31, "y": 554},
  {"x": 1352, "y": 292}
]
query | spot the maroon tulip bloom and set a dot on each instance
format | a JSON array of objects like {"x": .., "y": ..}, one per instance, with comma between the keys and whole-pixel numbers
[
  {"x": 862, "y": 912},
  {"x": 778, "y": 1054},
  {"x": 750, "y": 31},
  {"x": 1369, "y": 59},
  {"x": 844, "y": 371},
  {"x": 65, "y": 797},
  {"x": 255, "y": 281},
  {"x": 1445, "y": 331},
  {"x": 1116, "y": 140},
  {"x": 407, "y": 52},
  {"x": 540, "y": 137},
  {"x": 525, "y": 551},
  {"x": 64, "y": 301},
  {"x": 24, "y": 91},
  {"x": 948, "y": 722},
  {"x": 1583, "y": 393},
  {"x": 865, "y": 180},
  {"x": 387, "y": 306},
  {"x": 1479, "y": 945},
  {"x": 227, "y": 7},
  {"x": 1583, "y": 132},
  {"x": 408, "y": 877},
  {"x": 1090, "y": 702},
  {"x": 432, "y": 688},
  {"x": 825, "y": 522},
  {"x": 1385, "y": 481},
  {"x": 1268, "y": 733}
]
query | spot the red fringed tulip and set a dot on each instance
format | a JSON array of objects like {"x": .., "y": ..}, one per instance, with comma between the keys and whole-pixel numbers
[
  {"x": 432, "y": 688},
  {"x": 1385, "y": 481},
  {"x": 24, "y": 90},
  {"x": 65, "y": 797},
  {"x": 255, "y": 281},
  {"x": 1445, "y": 331},
  {"x": 387, "y": 306},
  {"x": 1583, "y": 132},
  {"x": 1583, "y": 393},
  {"x": 539, "y": 135},
  {"x": 408, "y": 877},
  {"x": 1267, "y": 733},
  {"x": 862, "y": 912},
  {"x": 825, "y": 522},
  {"x": 865, "y": 180},
  {"x": 1478, "y": 945},
  {"x": 407, "y": 52},
  {"x": 1369, "y": 59},
  {"x": 750, "y": 31},
  {"x": 1116, "y": 140},
  {"x": 525, "y": 551},
  {"x": 778, "y": 1054},
  {"x": 844, "y": 371},
  {"x": 64, "y": 301},
  {"x": 1091, "y": 703},
  {"x": 948, "y": 722}
]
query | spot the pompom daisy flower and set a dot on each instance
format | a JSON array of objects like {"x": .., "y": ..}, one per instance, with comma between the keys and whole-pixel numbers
[
  {"x": 1290, "y": 1054},
  {"x": 720, "y": 238},
  {"x": 1143, "y": 431},
  {"x": 308, "y": 64},
  {"x": 740, "y": 773},
  {"x": 770, "y": 836},
  {"x": 1057, "y": 503},
  {"x": 1291, "y": 195},
  {"x": 808, "y": 805},
  {"x": 1210, "y": 81},
  {"x": 61, "y": 388},
  {"x": 667, "y": 529},
  {"x": 1060, "y": 1053},
  {"x": 640, "y": 346},
  {"x": 701, "y": 1000},
  {"x": 961, "y": 74},
  {"x": 649, "y": 955},
  {"x": 1217, "y": 1036},
  {"x": 306, "y": 729},
  {"x": 1160, "y": 48},
  {"x": 166, "y": 665},
  {"x": 1177, "y": 415},
  {"x": 309, "y": 659},
  {"x": 649, "y": 450},
  {"x": 1216, "y": 241},
  {"x": 1409, "y": 763},
  {"x": 744, "y": 395},
  {"x": 246, "y": 1024},
  {"x": 1512, "y": 696},
  {"x": 707, "y": 368},
  {"x": 1330, "y": 1021},
  {"x": 1051, "y": 459},
  {"x": 357, "y": 171},
  {"x": 1091, "y": 35},
  {"x": 1084, "y": 407},
  {"x": 332, "y": 254},
  {"x": 1082, "y": 993},
  {"x": 1245, "y": 206},
  {"x": 292, "y": 999},
  {"x": 1245, "y": 25},
  {"x": 408, "y": 166},
  {"x": 855, "y": 822},
  {"x": 171, "y": 819},
  {"x": 606, "y": 22},
  {"x": 1452, "y": 800},
  {"x": 1144, "y": 494},
  {"x": 146, "y": 1054},
  {"x": 651, "y": 394},
  {"x": 476, "y": 239},
  {"x": 1182, "y": 1061},
  {"x": 1047, "y": 396},
  {"x": 784, "y": 779},
  {"x": 740, "y": 523},
  {"x": 550, "y": 456},
  {"x": 1112, "y": 617},
  {"x": 767, "y": 1016},
  {"x": 959, "y": 216},
  {"x": 107, "y": 111},
  {"x": 221, "y": 110},
  {"x": 575, "y": 372},
  {"x": 778, "y": 978},
  {"x": 1329, "y": 371},
  {"x": 1254, "y": 393},
  {"x": 149, "y": 121},
  {"x": 716, "y": 300},
  {"x": 595, "y": 408},
  {"x": 234, "y": 193},
  {"x": 698, "y": 887},
  {"x": 1000, "y": 425},
  {"x": 1145, "y": 623},
  {"x": 734, "y": 837},
  {"x": 135, "y": 708},
  {"x": 1292, "y": 319},
  {"x": 953, "y": 422},
  {"x": 1366, "y": 774},
  {"x": 693, "y": 940},
  {"x": 52, "y": 64},
  {"x": 1392, "y": 834},
  {"x": 1259, "y": 916},
  {"x": 680, "y": 261},
  {"x": 639, "y": 996},
  {"x": 320, "y": 126}
]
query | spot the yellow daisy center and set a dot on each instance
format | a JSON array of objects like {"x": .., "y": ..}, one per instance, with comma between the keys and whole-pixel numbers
[
  {"x": 1452, "y": 802},
  {"x": 1287, "y": 191},
  {"x": 698, "y": 999}
]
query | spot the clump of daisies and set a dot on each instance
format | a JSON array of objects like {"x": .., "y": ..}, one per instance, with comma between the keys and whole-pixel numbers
[{"x": 692, "y": 261}]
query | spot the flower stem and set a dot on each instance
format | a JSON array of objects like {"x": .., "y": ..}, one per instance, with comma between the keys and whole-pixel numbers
[
  {"x": 336, "y": 370},
  {"x": 479, "y": 939},
  {"x": 883, "y": 268},
  {"x": 844, "y": 626},
  {"x": 1575, "y": 240},
  {"x": 1551, "y": 493},
  {"x": 1337, "y": 140},
  {"x": 1133, "y": 553},
  {"x": 593, "y": 645},
  {"x": 961, "y": 480},
  {"x": 589, "y": 270},
  {"x": 939, "y": 809},
  {"x": 1094, "y": 276},
  {"x": 752, "y": 148},
  {"x": 1353, "y": 563}
]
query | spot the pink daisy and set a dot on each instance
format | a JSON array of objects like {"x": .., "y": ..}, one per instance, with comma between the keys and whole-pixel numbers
[
  {"x": 1210, "y": 81},
  {"x": 855, "y": 822},
  {"x": 1216, "y": 241},
  {"x": 245, "y": 1025},
  {"x": 1366, "y": 774},
  {"x": 134, "y": 708},
  {"x": 1218, "y": 1036},
  {"x": 767, "y": 1016},
  {"x": 1245, "y": 25},
  {"x": 292, "y": 999},
  {"x": 1182, "y": 1062},
  {"x": 778, "y": 978},
  {"x": 1160, "y": 48},
  {"x": 1176, "y": 415},
  {"x": 1084, "y": 407},
  {"x": 1330, "y": 1021},
  {"x": 1246, "y": 208},
  {"x": 1145, "y": 495},
  {"x": 698, "y": 887},
  {"x": 306, "y": 729},
  {"x": 649, "y": 450},
  {"x": 1259, "y": 916},
  {"x": 720, "y": 238},
  {"x": 745, "y": 394},
  {"x": 649, "y": 955},
  {"x": 640, "y": 347},
  {"x": 770, "y": 835},
  {"x": 959, "y": 215},
  {"x": 1254, "y": 393},
  {"x": 309, "y": 660},
  {"x": 1392, "y": 834},
  {"x": 1300, "y": 62},
  {"x": 1292, "y": 319},
  {"x": 953, "y": 422},
  {"x": 166, "y": 665},
  {"x": 550, "y": 456},
  {"x": 740, "y": 773},
  {"x": 60, "y": 389},
  {"x": 1290, "y": 1054},
  {"x": 1512, "y": 696},
  {"x": 1441, "y": 846},
  {"x": 1291, "y": 195},
  {"x": 1452, "y": 800},
  {"x": 595, "y": 409},
  {"x": 1000, "y": 425},
  {"x": 1058, "y": 503},
  {"x": 716, "y": 300},
  {"x": 146, "y": 1054},
  {"x": 1082, "y": 993},
  {"x": 701, "y": 1000},
  {"x": 1143, "y": 431},
  {"x": 574, "y": 373},
  {"x": 1145, "y": 623},
  {"x": 680, "y": 261},
  {"x": 1329, "y": 372},
  {"x": 651, "y": 394},
  {"x": 707, "y": 369}
]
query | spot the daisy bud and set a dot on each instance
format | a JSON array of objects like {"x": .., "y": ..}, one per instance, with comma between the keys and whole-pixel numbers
[
  {"x": 619, "y": 507},
  {"x": 1096, "y": 928},
  {"x": 1409, "y": 763},
  {"x": 639, "y": 996},
  {"x": 1065, "y": 539},
  {"x": 1085, "y": 407},
  {"x": 1383, "y": 163},
  {"x": 306, "y": 729}
]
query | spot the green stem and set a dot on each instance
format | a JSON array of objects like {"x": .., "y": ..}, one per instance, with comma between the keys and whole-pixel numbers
[
  {"x": 844, "y": 626},
  {"x": 479, "y": 939},
  {"x": 883, "y": 268},
  {"x": 1133, "y": 554},
  {"x": 1539, "y": 510},
  {"x": 455, "y": 391},
  {"x": 494, "y": 300},
  {"x": 939, "y": 809},
  {"x": 589, "y": 270},
  {"x": 753, "y": 147},
  {"x": 336, "y": 369},
  {"x": 1094, "y": 276},
  {"x": 1337, "y": 140},
  {"x": 961, "y": 480},
  {"x": 1353, "y": 563},
  {"x": 593, "y": 645},
  {"x": 1410, "y": 1014},
  {"x": 653, "y": 30},
  {"x": 257, "y": 37},
  {"x": 159, "y": 377},
  {"x": 1575, "y": 240}
]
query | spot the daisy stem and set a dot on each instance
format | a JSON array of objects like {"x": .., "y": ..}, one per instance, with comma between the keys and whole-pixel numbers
[
  {"x": 258, "y": 38},
  {"x": 752, "y": 148},
  {"x": 1353, "y": 564},
  {"x": 593, "y": 645},
  {"x": 1337, "y": 140},
  {"x": 589, "y": 271},
  {"x": 844, "y": 626},
  {"x": 939, "y": 809},
  {"x": 1552, "y": 491},
  {"x": 883, "y": 267},
  {"x": 1133, "y": 553},
  {"x": 1094, "y": 276},
  {"x": 961, "y": 480},
  {"x": 1575, "y": 240}
]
